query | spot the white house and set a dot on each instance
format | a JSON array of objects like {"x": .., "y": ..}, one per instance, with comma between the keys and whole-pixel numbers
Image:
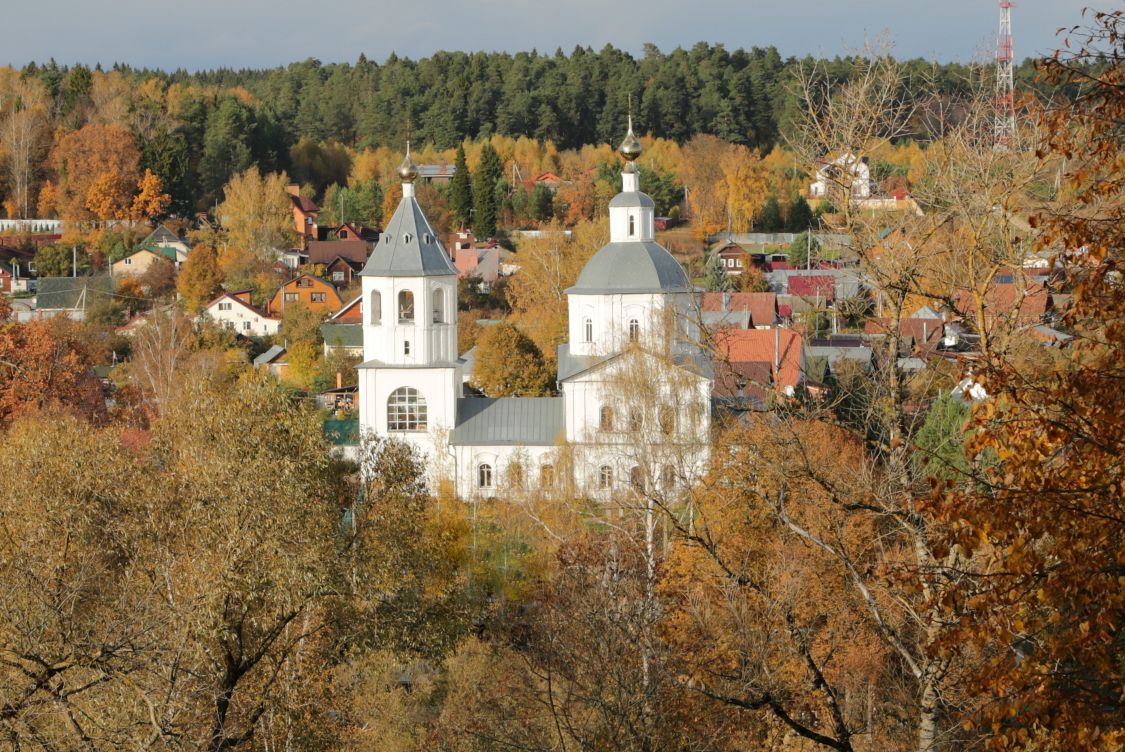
[
  {"x": 634, "y": 402},
  {"x": 845, "y": 170},
  {"x": 234, "y": 311}
]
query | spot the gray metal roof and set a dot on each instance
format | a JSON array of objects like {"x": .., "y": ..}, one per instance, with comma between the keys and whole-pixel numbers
[
  {"x": 409, "y": 247},
  {"x": 66, "y": 292},
  {"x": 269, "y": 355},
  {"x": 861, "y": 355},
  {"x": 161, "y": 235},
  {"x": 631, "y": 199},
  {"x": 508, "y": 421},
  {"x": 632, "y": 267},
  {"x": 569, "y": 365}
]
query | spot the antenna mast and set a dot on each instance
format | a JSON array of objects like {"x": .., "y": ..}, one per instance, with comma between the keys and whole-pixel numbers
[{"x": 1004, "y": 129}]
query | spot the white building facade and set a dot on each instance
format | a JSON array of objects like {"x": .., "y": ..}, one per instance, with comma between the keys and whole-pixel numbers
[
  {"x": 634, "y": 385},
  {"x": 238, "y": 315}
]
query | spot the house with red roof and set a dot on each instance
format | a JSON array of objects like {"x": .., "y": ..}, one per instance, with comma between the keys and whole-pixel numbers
[
  {"x": 754, "y": 363},
  {"x": 813, "y": 287},
  {"x": 723, "y": 308}
]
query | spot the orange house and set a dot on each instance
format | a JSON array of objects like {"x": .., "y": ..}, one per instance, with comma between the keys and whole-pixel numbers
[
  {"x": 305, "y": 212},
  {"x": 312, "y": 292}
]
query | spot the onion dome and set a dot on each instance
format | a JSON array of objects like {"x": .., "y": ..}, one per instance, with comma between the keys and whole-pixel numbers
[
  {"x": 630, "y": 148},
  {"x": 408, "y": 171}
]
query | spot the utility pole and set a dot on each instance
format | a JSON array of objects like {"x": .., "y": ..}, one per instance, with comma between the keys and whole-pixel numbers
[{"x": 1004, "y": 129}]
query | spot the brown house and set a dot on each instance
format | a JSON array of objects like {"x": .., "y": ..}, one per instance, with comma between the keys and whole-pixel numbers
[
  {"x": 313, "y": 293},
  {"x": 305, "y": 211},
  {"x": 341, "y": 259},
  {"x": 732, "y": 257}
]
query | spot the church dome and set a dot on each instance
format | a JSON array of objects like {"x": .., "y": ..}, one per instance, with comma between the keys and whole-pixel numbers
[{"x": 631, "y": 268}]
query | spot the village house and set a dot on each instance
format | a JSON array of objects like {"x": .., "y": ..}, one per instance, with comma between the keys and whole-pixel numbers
[
  {"x": 275, "y": 361},
  {"x": 163, "y": 241},
  {"x": 313, "y": 293},
  {"x": 343, "y": 331},
  {"x": 845, "y": 173},
  {"x": 740, "y": 310},
  {"x": 338, "y": 261},
  {"x": 732, "y": 257},
  {"x": 754, "y": 366},
  {"x": 138, "y": 263},
  {"x": 305, "y": 212},
  {"x": 234, "y": 311}
]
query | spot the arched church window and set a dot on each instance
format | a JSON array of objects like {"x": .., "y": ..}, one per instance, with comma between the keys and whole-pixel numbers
[
  {"x": 406, "y": 307},
  {"x": 632, "y": 225},
  {"x": 588, "y": 330},
  {"x": 546, "y": 476},
  {"x": 637, "y": 479},
  {"x": 668, "y": 478},
  {"x": 375, "y": 304},
  {"x": 484, "y": 475},
  {"x": 406, "y": 410},
  {"x": 439, "y": 306},
  {"x": 605, "y": 477},
  {"x": 634, "y": 330},
  {"x": 636, "y": 420},
  {"x": 605, "y": 418},
  {"x": 667, "y": 420}
]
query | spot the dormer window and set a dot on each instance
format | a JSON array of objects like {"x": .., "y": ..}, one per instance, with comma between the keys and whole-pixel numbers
[{"x": 407, "y": 238}]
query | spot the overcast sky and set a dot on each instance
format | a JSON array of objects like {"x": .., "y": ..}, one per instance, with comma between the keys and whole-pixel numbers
[{"x": 198, "y": 34}]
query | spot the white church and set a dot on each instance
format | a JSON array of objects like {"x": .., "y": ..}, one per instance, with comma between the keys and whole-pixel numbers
[{"x": 634, "y": 386}]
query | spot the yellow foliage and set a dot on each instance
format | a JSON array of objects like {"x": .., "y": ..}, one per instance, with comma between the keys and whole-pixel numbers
[{"x": 151, "y": 200}]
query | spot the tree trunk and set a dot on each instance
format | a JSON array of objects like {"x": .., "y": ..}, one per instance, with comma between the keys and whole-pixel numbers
[{"x": 928, "y": 718}]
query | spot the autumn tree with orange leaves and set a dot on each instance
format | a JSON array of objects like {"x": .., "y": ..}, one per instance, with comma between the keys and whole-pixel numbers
[
  {"x": 43, "y": 364},
  {"x": 96, "y": 165},
  {"x": 1048, "y": 517}
]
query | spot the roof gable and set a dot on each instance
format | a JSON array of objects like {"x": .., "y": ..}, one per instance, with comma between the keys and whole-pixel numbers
[
  {"x": 326, "y": 251},
  {"x": 243, "y": 303},
  {"x": 352, "y": 310}
]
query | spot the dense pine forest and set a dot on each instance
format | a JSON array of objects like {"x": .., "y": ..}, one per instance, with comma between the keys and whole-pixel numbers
[{"x": 196, "y": 129}]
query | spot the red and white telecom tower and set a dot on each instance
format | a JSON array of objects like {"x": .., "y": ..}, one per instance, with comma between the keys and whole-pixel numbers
[{"x": 1005, "y": 127}]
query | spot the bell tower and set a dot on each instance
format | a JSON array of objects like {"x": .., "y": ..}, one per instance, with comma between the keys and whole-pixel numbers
[{"x": 410, "y": 380}]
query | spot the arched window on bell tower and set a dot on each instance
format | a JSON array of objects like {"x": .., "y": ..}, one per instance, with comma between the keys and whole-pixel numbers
[
  {"x": 439, "y": 306},
  {"x": 406, "y": 307},
  {"x": 375, "y": 308}
]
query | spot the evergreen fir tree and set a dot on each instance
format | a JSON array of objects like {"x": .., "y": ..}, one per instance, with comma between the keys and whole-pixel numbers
[
  {"x": 486, "y": 208},
  {"x": 461, "y": 188},
  {"x": 717, "y": 278},
  {"x": 800, "y": 217},
  {"x": 769, "y": 218}
]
